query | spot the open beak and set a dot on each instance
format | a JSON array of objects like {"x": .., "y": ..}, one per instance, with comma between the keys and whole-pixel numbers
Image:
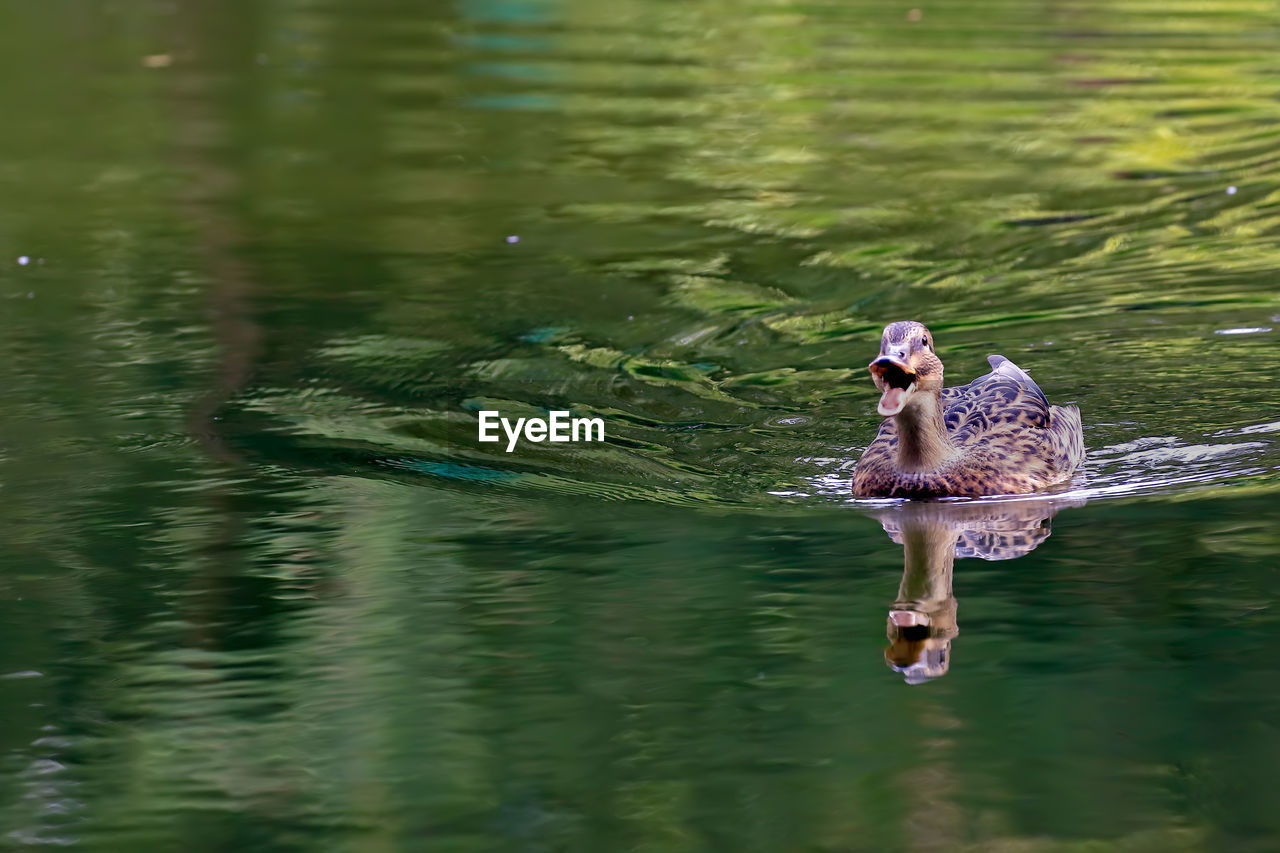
[{"x": 896, "y": 380}]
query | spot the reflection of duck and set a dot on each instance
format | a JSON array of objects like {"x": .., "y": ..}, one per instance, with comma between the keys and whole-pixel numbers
[
  {"x": 922, "y": 621},
  {"x": 996, "y": 435}
]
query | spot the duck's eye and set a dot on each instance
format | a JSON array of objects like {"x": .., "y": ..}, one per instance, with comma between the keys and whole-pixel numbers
[{"x": 925, "y": 340}]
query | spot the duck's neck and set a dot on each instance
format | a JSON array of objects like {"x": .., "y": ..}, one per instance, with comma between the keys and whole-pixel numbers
[
  {"x": 923, "y": 443},
  {"x": 929, "y": 554}
]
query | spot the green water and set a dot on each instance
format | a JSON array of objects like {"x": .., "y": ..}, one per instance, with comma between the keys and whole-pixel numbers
[{"x": 263, "y": 589}]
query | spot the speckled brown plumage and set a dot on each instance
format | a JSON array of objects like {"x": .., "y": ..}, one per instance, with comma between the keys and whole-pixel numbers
[{"x": 996, "y": 435}]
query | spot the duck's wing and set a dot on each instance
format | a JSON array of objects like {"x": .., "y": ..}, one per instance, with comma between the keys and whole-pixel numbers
[
  {"x": 990, "y": 543},
  {"x": 1003, "y": 368},
  {"x": 1007, "y": 396}
]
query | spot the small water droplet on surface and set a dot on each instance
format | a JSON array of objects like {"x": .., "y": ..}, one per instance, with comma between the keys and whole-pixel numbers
[
  {"x": 1231, "y": 190},
  {"x": 513, "y": 238},
  {"x": 23, "y": 260}
]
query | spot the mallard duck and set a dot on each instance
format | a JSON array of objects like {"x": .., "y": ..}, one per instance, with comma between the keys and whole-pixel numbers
[{"x": 998, "y": 435}]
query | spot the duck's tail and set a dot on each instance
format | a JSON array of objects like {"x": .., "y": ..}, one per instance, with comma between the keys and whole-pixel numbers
[{"x": 1068, "y": 439}]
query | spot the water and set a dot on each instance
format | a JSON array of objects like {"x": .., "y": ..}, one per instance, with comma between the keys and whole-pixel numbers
[{"x": 263, "y": 589}]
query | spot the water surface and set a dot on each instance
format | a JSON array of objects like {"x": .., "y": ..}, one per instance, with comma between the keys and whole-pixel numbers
[{"x": 260, "y": 267}]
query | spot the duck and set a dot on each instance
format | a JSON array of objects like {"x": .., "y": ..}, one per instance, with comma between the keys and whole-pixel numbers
[{"x": 997, "y": 435}]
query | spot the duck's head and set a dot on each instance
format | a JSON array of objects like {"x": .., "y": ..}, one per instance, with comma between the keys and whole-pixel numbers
[
  {"x": 905, "y": 365},
  {"x": 920, "y": 642}
]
